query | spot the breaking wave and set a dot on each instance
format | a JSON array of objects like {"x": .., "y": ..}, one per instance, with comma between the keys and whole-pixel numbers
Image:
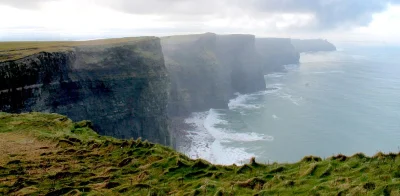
[{"x": 208, "y": 139}]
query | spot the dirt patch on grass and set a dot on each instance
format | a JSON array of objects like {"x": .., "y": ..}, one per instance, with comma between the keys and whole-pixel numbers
[{"x": 17, "y": 146}]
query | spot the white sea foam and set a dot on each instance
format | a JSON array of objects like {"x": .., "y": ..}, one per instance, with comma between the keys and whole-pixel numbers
[
  {"x": 294, "y": 99},
  {"x": 274, "y": 75},
  {"x": 278, "y": 90},
  {"x": 275, "y": 87},
  {"x": 211, "y": 140},
  {"x": 275, "y": 116},
  {"x": 242, "y": 101},
  {"x": 291, "y": 67},
  {"x": 208, "y": 140},
  {"x": 213, "y": 118}
]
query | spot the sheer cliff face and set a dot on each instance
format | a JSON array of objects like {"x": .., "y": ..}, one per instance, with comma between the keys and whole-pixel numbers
[
  {"x": 122, "y": 87},
  {"x": 312, "y": 45},
  {"x": 207, "y": 69},
  {"x": 238, "y": 55},
  {"x": 276, "y": 52},
  {"x": 193, "y": 69}
]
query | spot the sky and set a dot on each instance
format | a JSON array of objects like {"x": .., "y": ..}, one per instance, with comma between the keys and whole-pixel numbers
[{"x": 345, "y": 21}]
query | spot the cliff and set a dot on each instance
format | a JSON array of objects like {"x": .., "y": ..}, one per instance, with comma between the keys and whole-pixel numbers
[
  {"x": 120, "y": 84},
  {"x": 192, "y": 65},
  {"x": 238, "y": 56},
  {"x": 312, "y": 45},
  {"x": 276, "y": 52},
  {"x": 207, "y": 69},
  {"x": 48, "y": 154}
]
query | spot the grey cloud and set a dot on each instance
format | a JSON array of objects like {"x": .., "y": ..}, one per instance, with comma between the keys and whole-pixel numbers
[{"x": 329, "y": 13}]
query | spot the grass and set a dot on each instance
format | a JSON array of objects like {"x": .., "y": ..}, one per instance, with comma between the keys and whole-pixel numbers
[
  {"x": 17, "y": 50},
  {"x": 48, "y": 154}
]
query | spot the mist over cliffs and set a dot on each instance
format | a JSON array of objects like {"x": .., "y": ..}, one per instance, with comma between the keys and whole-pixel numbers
[
  {"x": 276, "y": 52},
  {"x": 207, "y": 69},
  {"x": 134, "y": 88}
]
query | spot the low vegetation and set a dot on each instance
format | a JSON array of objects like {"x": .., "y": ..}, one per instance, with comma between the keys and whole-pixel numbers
[
  {"x": 17, "y": 50},
  {"x": 48, "y": 154}
]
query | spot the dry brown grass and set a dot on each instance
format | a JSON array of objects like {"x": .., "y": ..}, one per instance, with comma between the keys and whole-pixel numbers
[{"x": 15, "y": 145}]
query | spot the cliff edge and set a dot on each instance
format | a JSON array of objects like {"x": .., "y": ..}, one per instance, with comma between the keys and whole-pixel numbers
[
  {"x": 119, "y": 84},
  {"x": 48, "y": 154}
]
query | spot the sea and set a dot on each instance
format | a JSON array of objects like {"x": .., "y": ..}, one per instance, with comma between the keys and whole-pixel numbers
[{"x": 340, "y": 102}]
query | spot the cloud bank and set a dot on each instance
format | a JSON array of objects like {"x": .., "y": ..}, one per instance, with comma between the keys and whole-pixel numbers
[
  {"x": 326, "y": 13},
  {"x": 265, "y": 17}
]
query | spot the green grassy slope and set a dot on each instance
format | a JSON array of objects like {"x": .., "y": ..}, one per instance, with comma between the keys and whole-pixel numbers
[
  {"x": 17, "y": 50},
  {"x": 48, "y": 154}
]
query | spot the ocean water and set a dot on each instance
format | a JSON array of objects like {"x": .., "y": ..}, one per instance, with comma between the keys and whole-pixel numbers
[{"x": 346, "y": 101}]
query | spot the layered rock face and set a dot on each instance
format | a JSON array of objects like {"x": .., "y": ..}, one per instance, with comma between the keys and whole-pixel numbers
[
  {"x": 121, "y": 88},
  {"x": 276, "y": 52},
  {"x": 207, "y": 69},
  {"x": 312, "y": 45}
]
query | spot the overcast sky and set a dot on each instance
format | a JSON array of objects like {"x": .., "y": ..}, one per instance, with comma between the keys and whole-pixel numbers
[{"x": 368, "y": 21}]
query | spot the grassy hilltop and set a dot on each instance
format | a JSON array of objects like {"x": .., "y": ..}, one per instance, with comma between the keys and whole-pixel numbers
[
  {"x": 48, "y": 154},
  {"x": 17, "y": 50}
]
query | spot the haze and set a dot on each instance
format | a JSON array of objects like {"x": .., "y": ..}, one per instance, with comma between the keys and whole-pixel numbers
[{"x": 340, "y": 21}]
